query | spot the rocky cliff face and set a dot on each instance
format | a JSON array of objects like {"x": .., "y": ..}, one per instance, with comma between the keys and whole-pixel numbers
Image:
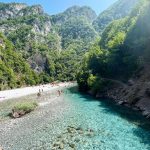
[
  {"x": 31, "y": 10},
  {"x": 21, "y": 14},
  {"x": 13, "y": 10},
  {"x": 10, "y": 10}
]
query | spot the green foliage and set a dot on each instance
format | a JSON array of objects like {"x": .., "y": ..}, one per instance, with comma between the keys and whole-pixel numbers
[
  {"x": 19, "y": 36},
  {"x": 25, "y": 106},
  {"x": 118, "y": 10},
  {"x": 45, "y": 78},
  {"x": 97, "y": 60},
  {"x": 96, "y": 83},
  {"x": 115, "y": 33},
  {"x": 117, "y": 55},
  {"x": 117, "y": 40},
  {"x": 14, "y": 71},
  {"x": 138, "y": 38},
  {"x": 76, "y": 28},
  {"x": 82, "y": 78},
  {"x": 54, "y": 46},
  {"x": 55, "y": 55},
  {"x": 74, "y": 12}
]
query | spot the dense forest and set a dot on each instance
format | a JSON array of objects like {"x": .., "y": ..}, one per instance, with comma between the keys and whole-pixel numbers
[
  {"x": 75, "y": 44},
  {"x": 14, "y": 71},
  {"x": 122, "y": 50}
]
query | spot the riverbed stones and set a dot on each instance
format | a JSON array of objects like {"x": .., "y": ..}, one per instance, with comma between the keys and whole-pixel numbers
[
  {"x": 71, "y": 135},
  {"x": 61, "y": 146},
  {"x": 56, "y": 144},
  {"x": 69, "y": 130},
  {"x": 80, "y": 132},
  {"x": 63, "y": 141},
  {"x": 15, "y": 115},
  {"x": 77, "y": 140},
  {"x": 79, "y": 128},
  {"x": 72, "y": 138},
  {"x": 59, "y": 137},
  {"x": 72, "y": 145},
  {"x": 90, "y": 134}
]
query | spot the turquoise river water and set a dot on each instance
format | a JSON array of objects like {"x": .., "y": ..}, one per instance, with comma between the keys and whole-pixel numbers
[
  {"x": 115, "y": 127},
  {"x": 85, "y": 124}
]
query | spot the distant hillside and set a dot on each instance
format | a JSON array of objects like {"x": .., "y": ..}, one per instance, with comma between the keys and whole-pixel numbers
[
  {"x": 75, "y": 25},
  {"x": 75, "y": 12},
  {"x": 118, "y": 10}
]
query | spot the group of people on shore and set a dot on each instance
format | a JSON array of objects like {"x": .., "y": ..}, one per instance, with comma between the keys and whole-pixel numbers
[
  {"x": 52, "y": 84},
  {"x": 41, "y": 91}
]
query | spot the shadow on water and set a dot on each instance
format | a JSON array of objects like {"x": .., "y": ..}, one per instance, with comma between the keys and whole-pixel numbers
[{"x": 143, "y": 125}]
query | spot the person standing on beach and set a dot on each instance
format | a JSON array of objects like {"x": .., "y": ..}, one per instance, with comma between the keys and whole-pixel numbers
[
  {"x": 59, "y": 92},
  {"x": 39, "y": 93}
]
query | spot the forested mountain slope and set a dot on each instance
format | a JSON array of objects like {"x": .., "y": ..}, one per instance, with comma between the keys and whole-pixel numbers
[
  {"x": 75, "y": 26},
  {"x": 54, "y": 45},
  {"x": 30, "y": 30},
  {"x": 14, "y": 71},
  {"x": 121, "y": 55},
  {"x": 123, "y": 45},
  {"x": 118, "y": 10},
  {"x": 75, "y": 12}
]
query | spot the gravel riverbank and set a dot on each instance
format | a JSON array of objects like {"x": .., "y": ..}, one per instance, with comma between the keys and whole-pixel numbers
[{"x": 37, "y": 128}]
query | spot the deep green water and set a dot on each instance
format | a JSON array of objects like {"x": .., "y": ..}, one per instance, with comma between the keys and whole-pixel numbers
[{"x": 115, "y": 127}]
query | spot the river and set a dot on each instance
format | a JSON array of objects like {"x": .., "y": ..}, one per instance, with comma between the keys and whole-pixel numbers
[{"x": 77, "y": 121}]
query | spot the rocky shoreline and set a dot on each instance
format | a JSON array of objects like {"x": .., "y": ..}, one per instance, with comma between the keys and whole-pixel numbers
[{"x": 135, "y": 94}]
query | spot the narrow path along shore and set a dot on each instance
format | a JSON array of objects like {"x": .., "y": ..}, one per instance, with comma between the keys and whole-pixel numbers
[{"x": 15, "y": 93}]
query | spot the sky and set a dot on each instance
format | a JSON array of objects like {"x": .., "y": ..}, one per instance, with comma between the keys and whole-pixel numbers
[{"x": 57, "y": 6}]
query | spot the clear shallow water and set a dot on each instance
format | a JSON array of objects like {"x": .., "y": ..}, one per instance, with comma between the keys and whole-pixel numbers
[
  {"x": 111, "y": 127},
  {"x": 115, "y": 127}
]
